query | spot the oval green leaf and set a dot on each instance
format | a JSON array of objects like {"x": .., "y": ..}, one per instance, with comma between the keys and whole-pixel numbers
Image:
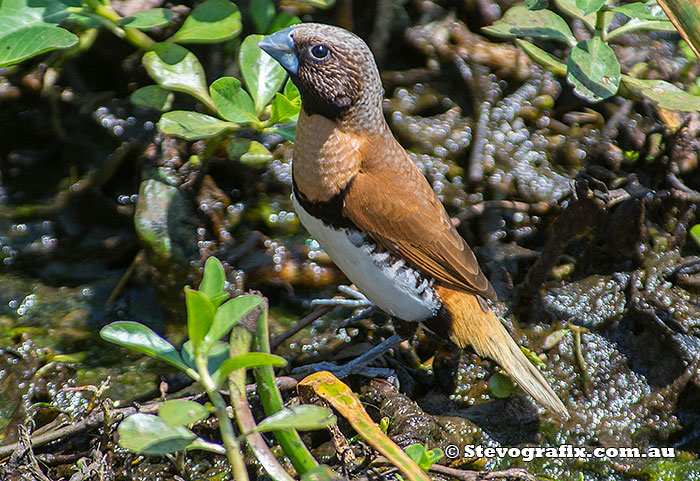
[
  {"x": 286, "y": 131},
  {"x": 151, "y": 435},
  {"x": 140, "y": 338},
  {"x": 593, "y": 70},
  {"x": 261, "y": 11},
  {"x": 31, "y": 41},
  {"x": 283, "y": 20},
  {"x": 249, "y": 361},
  {"x": 302, "y": 418},
  {"x": 262, "y": 74},
  {"x": 248, "y": 152},
  {"x": 192, "y": 125},
  {"x": 542, "y": 57},
  {"x": 230, "y": 313},
  {"x": 181, "y": 412},
  {"x": 521, "y": 22},
  {"x": 214, "y": 279},
  {"x": 200, "y": 315},
  {"x": 175, "y": 68},
  {"x": 232, "y": 102},
  {"x": 291, "y": 92},
  {"x": 569, "y": 8},
  {"x": 642, "y": 10},
  {"x": 217, "y": 353},
  {"x": 555, "y": 338},
  {"x": 30, "y": 28},
  {"x": 662, "y": 94},
  {"x": 501, "y": 385},
  {"x": 589, "y": 6},
  {"x": 152, "y": 97},
  {"x": 147, "y": 19},
  {"x": 211, "y": 22},
  {"x": 284, "y": 110}
]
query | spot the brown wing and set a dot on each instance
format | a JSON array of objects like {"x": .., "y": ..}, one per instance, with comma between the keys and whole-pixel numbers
[{"x": 396, "y": 206}]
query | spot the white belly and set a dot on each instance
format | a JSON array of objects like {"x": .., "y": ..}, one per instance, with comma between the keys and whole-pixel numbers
[{"x": 393, "y": 287}]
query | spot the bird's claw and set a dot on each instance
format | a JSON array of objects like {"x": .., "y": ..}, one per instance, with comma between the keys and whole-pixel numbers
[
  {"x": 357, "y": 299},
  {"x": 341, "y": 372}
]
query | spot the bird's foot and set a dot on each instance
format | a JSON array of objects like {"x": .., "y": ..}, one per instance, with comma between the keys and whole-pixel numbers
[
  {"x": 358, "y": 365},
  {"x": 341, "y": 372},
  {"x": 354, "y": 299}
]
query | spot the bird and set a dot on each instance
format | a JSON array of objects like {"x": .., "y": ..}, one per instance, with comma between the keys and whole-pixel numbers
[{"x": 359, "y": 194}]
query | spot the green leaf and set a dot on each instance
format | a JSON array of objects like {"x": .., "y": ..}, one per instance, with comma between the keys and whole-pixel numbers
[
  {"x": 153, "y": 97},
  {"x": 635, "y": 25},
  {"x": 248, "y": 152},
  {"x": 536, "y": 4},
  {"x": 217, "y": 353},
  {"x": 642, "y": 10},
  {"x": 151, "y": 435},
  {"x": 140, "y": 338},
  {"x": 589, "y": 6},
  {"x": 230, "y": 313},
  {"x": 192, "y": 125},
  {"x": 232, "y": 102},
  {"x": 29, "y": 28},
  {"x": 501, "y": 385},
  {"x": 210, "y": 22},
  {"x": 521, "y": 22},
  {"x": 291, "y": 92},
  {"x": 283, "y": 20},
  {"x": 533, "y": 357},
  {"x": 147, "y": 19},
  {"x": 175, "y": 68},
  {"x": 695, "y": 234},
  {"x": 423, "y": 457},
  {"x": 303, "y": 418},
  {"x": 213, "y": 280},
  {"x": 569, "y": 7},
  {"x": 662, "y": 94},
  {"x": 593, "y": 70},
  {"x": 286, "y": 131},
  {"x": 200, "y": 315},
  {"x": 261, "y": 11},
  {"x": 250, "y": 360},
  {"x": 181, "y": 412},
  {"x": 284, "y": 110},
  {"x": 262, "y": 74},
  {"x": 555, "y": 338},
  {"x": 542, "y": 57}
]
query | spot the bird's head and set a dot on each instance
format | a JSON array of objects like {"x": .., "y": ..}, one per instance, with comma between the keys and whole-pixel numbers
[{"x": 333, "y": 69}]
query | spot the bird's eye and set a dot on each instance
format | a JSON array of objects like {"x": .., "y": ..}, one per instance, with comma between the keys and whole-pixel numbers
[{"x": 320, "y": 51}]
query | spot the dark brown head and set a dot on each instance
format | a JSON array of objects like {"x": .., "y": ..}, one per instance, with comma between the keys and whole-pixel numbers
[{"x": 333, "y": 69}]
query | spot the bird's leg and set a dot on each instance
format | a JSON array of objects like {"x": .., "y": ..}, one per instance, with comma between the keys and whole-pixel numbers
[
  {"x": 357, "y": 299},
  {"x": 357, "y": 365}
]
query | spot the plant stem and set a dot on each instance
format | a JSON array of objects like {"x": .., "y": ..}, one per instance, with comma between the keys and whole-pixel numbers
[
  {"x": 233, "y": 448},
  {"x": 134, "y": 36},
  {"x": 271, "y": 399},
  {"x": 601, "y": 24}
]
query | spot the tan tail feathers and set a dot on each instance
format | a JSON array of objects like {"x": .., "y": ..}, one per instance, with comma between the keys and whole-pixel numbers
[{"x": 485, "y": 333}]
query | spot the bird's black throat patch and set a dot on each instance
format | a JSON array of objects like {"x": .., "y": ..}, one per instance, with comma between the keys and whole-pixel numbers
[{"x": 329, "y": 211}]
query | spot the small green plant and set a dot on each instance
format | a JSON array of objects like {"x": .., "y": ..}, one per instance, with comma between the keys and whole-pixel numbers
[
  {"x": 501, "y": 385},
  {"x": 423, "y": 457},
  {"x": 212, "y": 362},
  {"x": 68, "y": 27},
  {"x": 591, "y": 67}
]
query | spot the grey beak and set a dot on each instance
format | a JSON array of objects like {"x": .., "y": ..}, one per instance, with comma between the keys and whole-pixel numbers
[{"x": 280, "y": 46}]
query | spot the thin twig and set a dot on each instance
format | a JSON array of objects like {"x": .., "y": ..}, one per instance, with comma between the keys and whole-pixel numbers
[{"x": 311, "y": 317}]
